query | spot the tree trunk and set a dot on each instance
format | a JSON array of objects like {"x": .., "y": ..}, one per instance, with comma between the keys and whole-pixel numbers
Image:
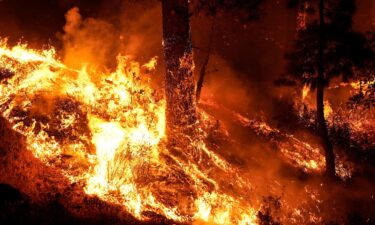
[
  {"x": 179, "y": 78},
  {"x": 321, "y": 123},
  {"x": 202, "y": 72}
]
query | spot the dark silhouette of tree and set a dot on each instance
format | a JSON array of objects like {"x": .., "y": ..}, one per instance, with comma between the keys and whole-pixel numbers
[
  {"x": 326, "y": 48},
  {"x": 242, "y": 11},
  {"x": 202, "y": 71}
]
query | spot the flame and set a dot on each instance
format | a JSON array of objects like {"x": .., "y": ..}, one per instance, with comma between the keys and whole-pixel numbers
[
  {"x": 112, "y": 125},
  {"x": 359, "y": 121},
  {"x": 327, "y": 106},
  {"x": 295, "y": 151},
  {"x": 327, "y": 109},
  {"x": 151, "y": 65},
  {"x": 305, "y": 91},
  {"x": 357, "y": 85}
]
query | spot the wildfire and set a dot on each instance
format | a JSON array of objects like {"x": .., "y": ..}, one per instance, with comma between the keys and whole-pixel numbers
[
  {"x": 111, "y": 127},
  {"x": 327, "y": 106},
  {"x": 340, "y": 119},
  {"x": 327, "y": 109},
  {"x": 363, "y": 86},
  {"x": 305, "y": 91},
  {"x": 296, "y": 152}
]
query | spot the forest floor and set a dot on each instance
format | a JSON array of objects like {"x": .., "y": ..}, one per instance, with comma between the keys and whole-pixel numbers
[{"x": 288, "y": 194}]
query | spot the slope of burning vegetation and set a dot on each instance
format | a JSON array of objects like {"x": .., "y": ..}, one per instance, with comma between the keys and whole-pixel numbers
[
  {"x": 101, "y": 133},
  {"x": 351, "y": 126},
  {"x": 285, "y": 167},
  {"x": 94, "y": 141}
]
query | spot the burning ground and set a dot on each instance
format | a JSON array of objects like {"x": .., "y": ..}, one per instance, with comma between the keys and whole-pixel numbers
[{"x": 86, "y": 144}]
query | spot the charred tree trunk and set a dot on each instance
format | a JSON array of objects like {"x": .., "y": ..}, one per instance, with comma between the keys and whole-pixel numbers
[
  {"x": 179, "y": 78},
  {"x": 321, "y": 123},
  {"x": 202, "y": 72}
]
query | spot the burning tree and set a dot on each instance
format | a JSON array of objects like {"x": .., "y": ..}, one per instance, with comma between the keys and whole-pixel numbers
[
  {"x": 326, "y": 48},
  {"x": 179, "y": 80}
]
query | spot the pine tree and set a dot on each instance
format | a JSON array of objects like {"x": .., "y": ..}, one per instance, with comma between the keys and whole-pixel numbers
[{"x": 327, "y": 48}]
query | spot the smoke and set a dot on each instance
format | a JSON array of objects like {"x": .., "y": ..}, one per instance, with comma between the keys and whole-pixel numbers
[
  {"x": 89, "y": 41},
  {"x": 140, "y": 25},
  {"x": 222, "y": 85},
  {"x": 141, "y": 30},
  {"x": 98, "y": 41}
]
